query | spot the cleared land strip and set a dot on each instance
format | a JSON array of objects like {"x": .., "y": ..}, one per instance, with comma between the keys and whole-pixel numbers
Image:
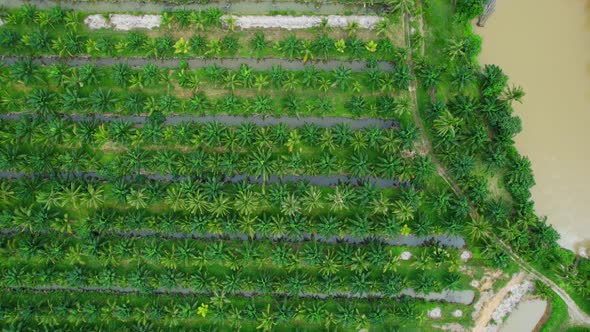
[
  {"x": 230, "y": 63},
  {"x": 241, "y": 7},
  {"x": 232, "y": 120},
  {"x": 452, "y": 296},
  {"x": 316, "y": 180},
  {"x": 447, "y": 240}
]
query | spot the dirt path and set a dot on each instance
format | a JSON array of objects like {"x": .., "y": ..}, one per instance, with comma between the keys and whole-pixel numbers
[
  {"x": 488, "y": 309},
  {"x": 577, "y": 316}
]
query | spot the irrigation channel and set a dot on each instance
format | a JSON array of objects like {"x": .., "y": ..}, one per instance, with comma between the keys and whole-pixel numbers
[
  {"x": 239, "y": 7},
  {"x": 316, "y": 180},
  {"x": 229, "y": 63},
  {"x": 453, "y": 296},
  {"x": 232, "y": 120}
]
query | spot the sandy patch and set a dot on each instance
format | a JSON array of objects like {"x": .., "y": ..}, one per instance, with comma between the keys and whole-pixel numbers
[{"x": 301, "y": 22}]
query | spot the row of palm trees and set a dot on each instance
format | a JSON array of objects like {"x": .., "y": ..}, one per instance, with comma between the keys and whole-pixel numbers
[
  {"x": 19, "y": 41},
  {"x": 236, "y": 255},
  {"x": 25, "y": 309},
  {"x": 46, "y": 102},
  {"x": 275, "y": 211},
  {"x": 209, "y": 135},
  {"x": 280, "y": 277},
  {"x": 45, "y": 159},
  {"x": 89, "y": 75}
]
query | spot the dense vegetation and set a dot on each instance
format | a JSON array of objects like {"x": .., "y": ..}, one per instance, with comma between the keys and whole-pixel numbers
[
  {"x": 468, "y": 111},
  {"x": 114, "y": 215}
]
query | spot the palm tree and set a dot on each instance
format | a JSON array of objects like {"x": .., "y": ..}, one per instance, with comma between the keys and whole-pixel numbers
[
  {"x": 267, "y": 321},
  {"x": 277, "y": 75},
  {"x": 323, "y": 46},
  {"x": 359, "y": 165},
  {"x": 291, "y": 82},
  {"x": 478, "y": 228},
  {"x": 41, "y": 101},
  {"x": 402, "y": 76},
  {"x": 462, "y": 77},
  {"x": 214, "y": 48},
  {"x": 356, "y": 48},
  {"x": 94, "y": 197},
  {"x": 342, "y": 76},
  {"x": 102, "y": 101},
  {"x": 25, "y": 71},
  {"x": 403, "y": 211},
  {"x": 291, "y": 47},
  {"x": 514, "y": 93},
  {"x": 456, "y": 48},
  {"x": 382, "y": 27},
  {"x": 262, "y": 165},
  {"x": 352, "y": 28},
  {"x": 446, "y": 125},
  {"x": 403, "y": 7},
  {"x": 261, "y": 81},
  {"x": 258, "y": 43},
  {"x": 357, "y": 105}
]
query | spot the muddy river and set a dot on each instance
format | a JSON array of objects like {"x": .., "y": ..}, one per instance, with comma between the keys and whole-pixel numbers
[{"x": 544, "y": 46}]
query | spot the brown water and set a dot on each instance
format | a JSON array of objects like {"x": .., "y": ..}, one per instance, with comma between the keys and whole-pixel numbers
[
  {"x": 525, "y": 317},
  {"x": 544, "y": 46}
]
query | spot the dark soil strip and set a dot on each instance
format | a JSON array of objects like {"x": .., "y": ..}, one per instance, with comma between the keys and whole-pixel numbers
[
  {"x": 230, "y": 63},
  {"x": 316, "y": 180},
  {"x": 450, "y": 240},
  {"x": 233, "y": 120},
  {"x": 460, "y": 297}
]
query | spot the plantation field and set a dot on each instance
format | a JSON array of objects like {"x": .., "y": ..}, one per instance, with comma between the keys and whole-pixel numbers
[{"x": 199, "y": 176}]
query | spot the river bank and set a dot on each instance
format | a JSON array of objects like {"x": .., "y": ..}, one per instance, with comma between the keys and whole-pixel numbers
[{"x": 548, "y": 55}]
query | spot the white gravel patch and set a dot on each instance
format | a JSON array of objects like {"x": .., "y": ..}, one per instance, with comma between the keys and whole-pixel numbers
[
  {"x": 466, "y": 255},
  {"x": 123, "y": 22},
  {"x": 435, "y": 313},
  {"x": 406, "y": 255},
  {"x": 457, "y": 313},
  {"x": 1, "y": 22},
  {"x": 302, "y": 22},
  {"x": 97, "y": 21},
  {"x": 129, "y": 22}
]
